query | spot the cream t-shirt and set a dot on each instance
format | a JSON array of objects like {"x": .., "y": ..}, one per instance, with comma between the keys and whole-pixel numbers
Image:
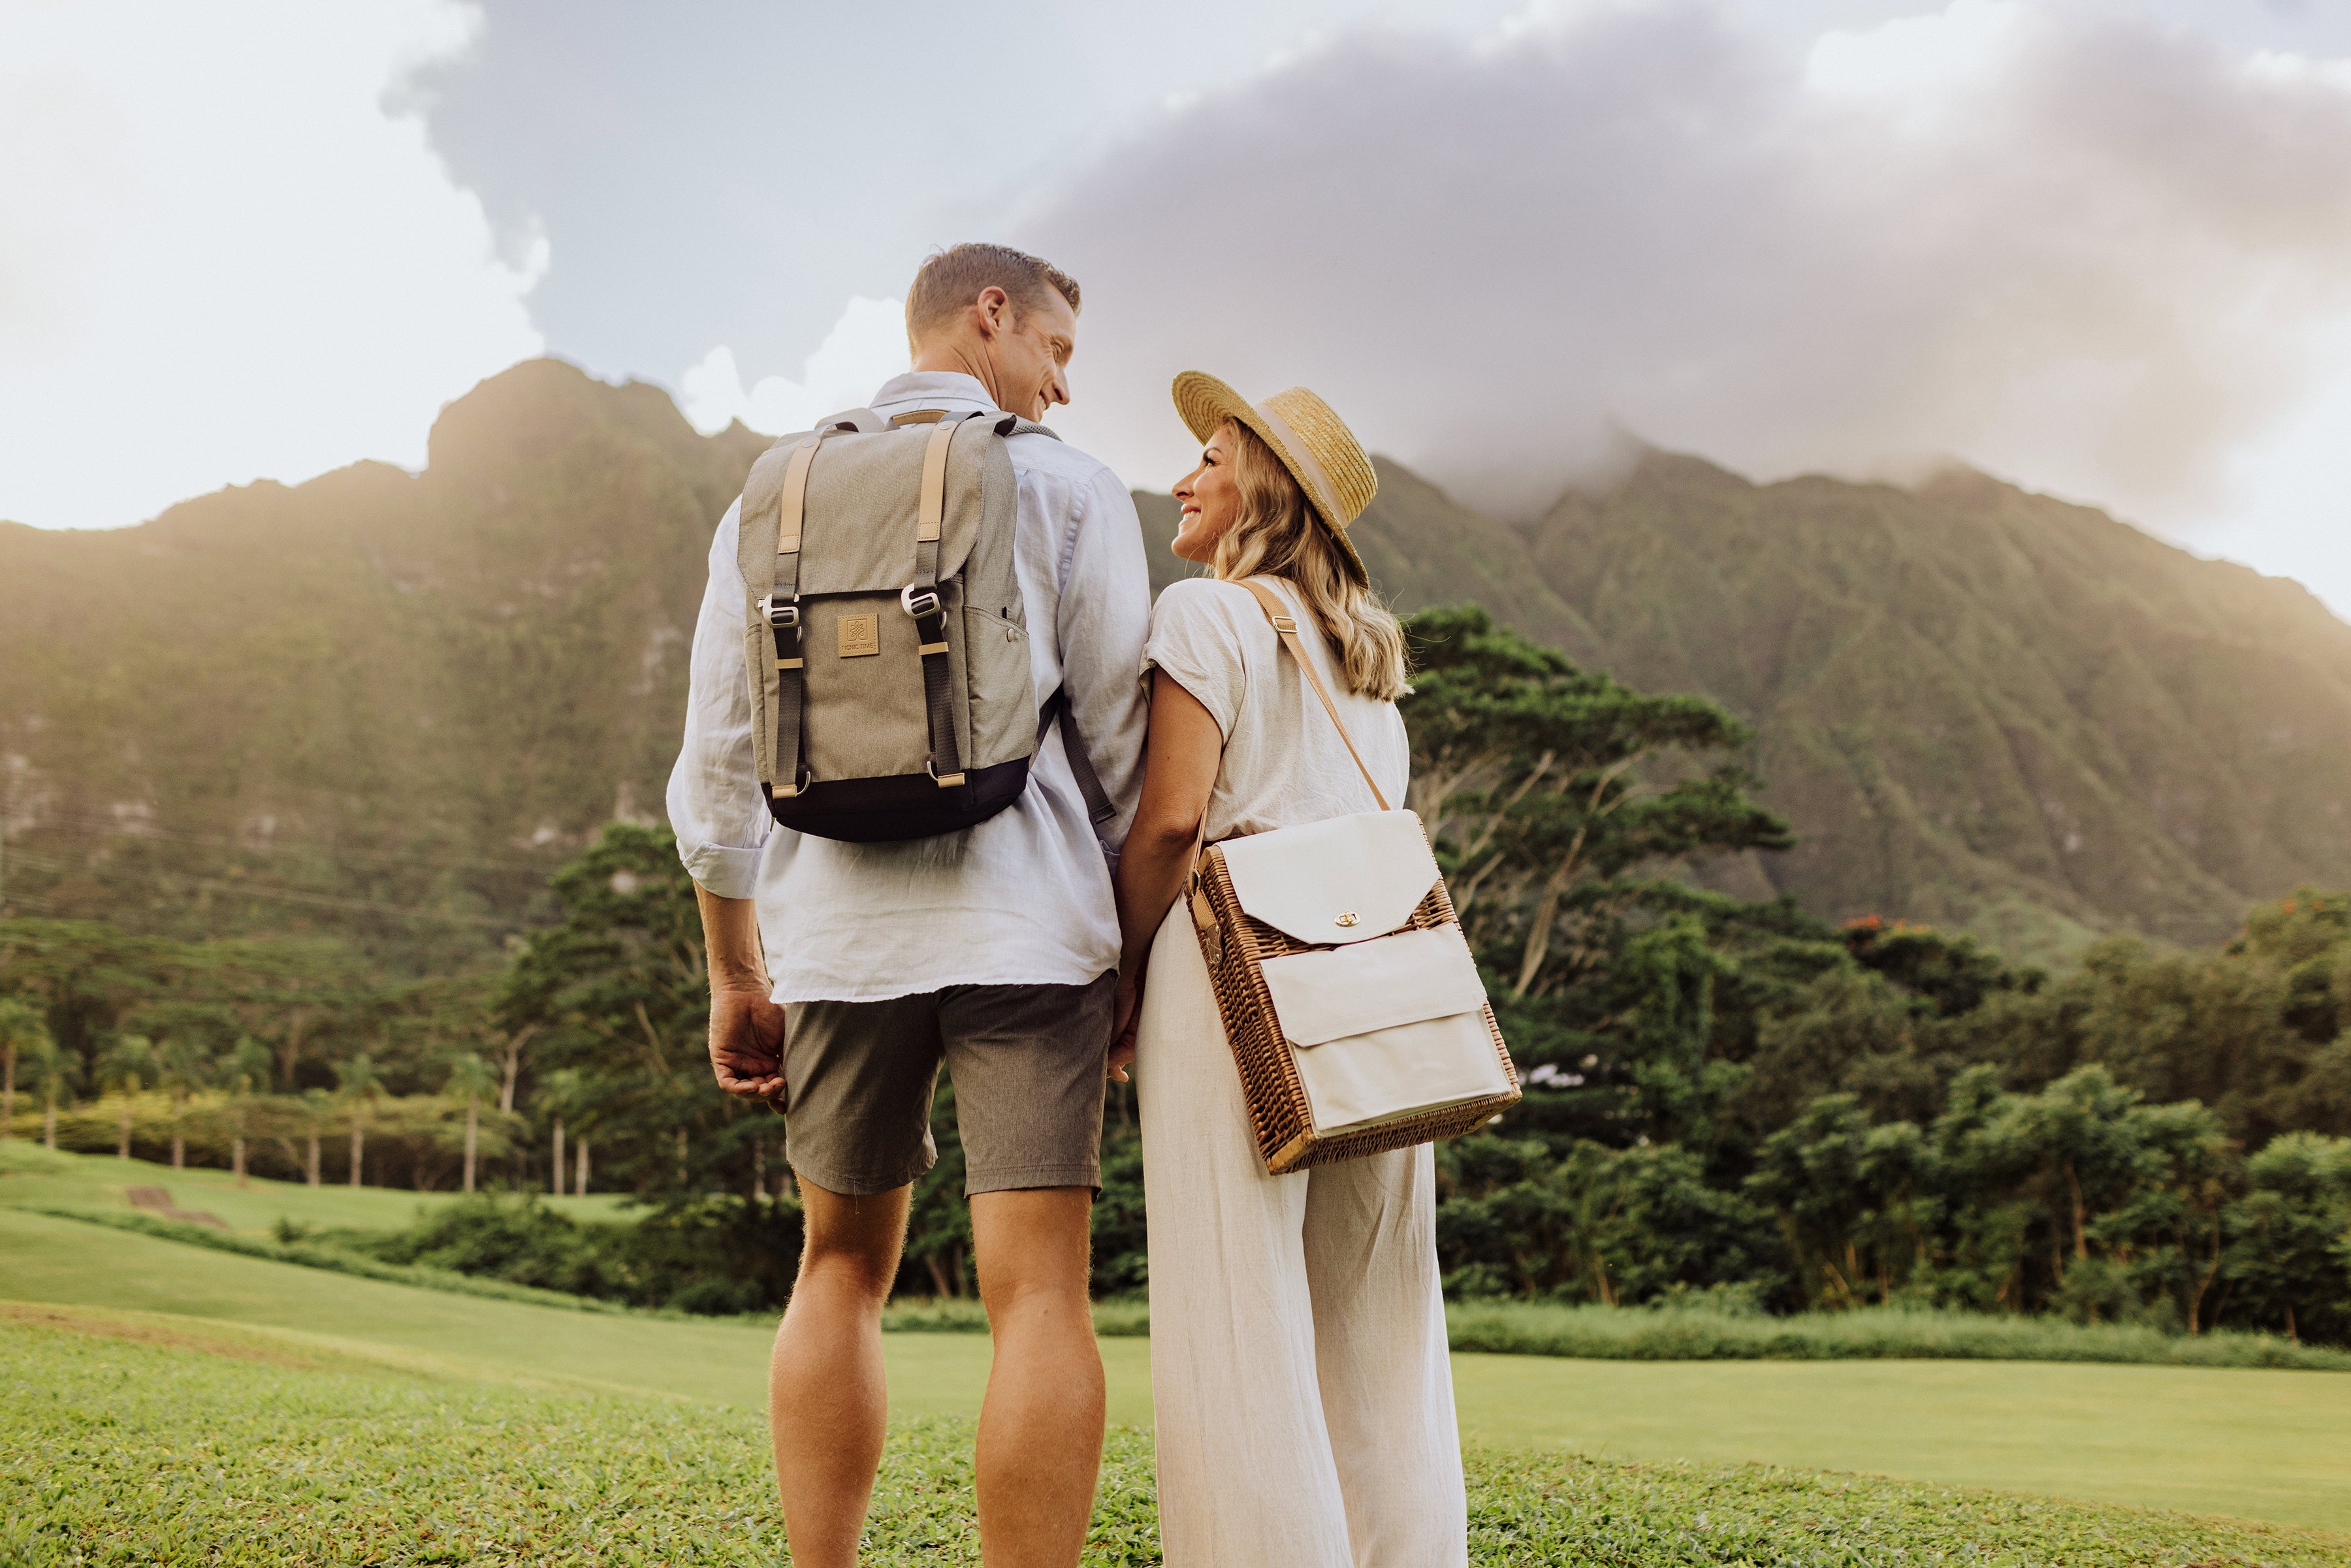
[{"x": 1284, "y": 763}]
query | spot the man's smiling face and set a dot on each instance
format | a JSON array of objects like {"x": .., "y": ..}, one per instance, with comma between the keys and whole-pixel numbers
[{"x": 1031, "y": 355}]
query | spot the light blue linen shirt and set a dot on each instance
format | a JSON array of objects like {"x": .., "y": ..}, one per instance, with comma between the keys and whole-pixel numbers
[{"x": 1023, "y": 898}]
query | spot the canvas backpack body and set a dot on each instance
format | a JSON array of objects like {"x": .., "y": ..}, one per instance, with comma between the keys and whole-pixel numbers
[{"x": 887, "y": 639}]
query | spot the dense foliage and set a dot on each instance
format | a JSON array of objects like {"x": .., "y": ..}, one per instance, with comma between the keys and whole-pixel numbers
[{"x": 1725, "y": 1100}]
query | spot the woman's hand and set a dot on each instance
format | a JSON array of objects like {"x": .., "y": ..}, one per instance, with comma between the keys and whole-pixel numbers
[{"x": 1125, "y": 1014}]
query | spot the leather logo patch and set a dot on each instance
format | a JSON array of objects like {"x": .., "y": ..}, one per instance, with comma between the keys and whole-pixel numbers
[{"x": 860, "y": 635}]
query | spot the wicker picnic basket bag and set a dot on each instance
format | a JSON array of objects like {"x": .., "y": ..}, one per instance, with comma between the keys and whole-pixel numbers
[{"x": 1353, "y": 1008}]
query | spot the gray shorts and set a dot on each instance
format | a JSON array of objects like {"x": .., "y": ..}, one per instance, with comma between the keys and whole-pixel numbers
[{"x": 1025, "y": 1060}]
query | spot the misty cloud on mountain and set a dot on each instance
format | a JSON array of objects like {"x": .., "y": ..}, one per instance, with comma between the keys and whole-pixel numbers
[{"x": 2077, "y": 248}]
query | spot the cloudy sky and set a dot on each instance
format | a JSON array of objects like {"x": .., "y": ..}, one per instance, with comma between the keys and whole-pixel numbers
[{"x": 2102, "y": 249}]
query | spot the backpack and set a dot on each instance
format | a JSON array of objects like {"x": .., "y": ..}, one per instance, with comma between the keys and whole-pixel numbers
[{"x": 884, "y": 632}]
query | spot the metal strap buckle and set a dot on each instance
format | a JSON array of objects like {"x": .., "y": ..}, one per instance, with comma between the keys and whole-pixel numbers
[
  {"x": 782, "y": 617},
  {"x": 918, "y": 605}
]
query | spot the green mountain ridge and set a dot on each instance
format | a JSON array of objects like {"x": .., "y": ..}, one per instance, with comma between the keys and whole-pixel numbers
[
  {"x": 1977, "y": 706},
  {"x": 386, "y": 705}
]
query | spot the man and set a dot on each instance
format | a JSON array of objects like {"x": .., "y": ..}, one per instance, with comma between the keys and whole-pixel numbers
[{"x": 993, "y": 948}]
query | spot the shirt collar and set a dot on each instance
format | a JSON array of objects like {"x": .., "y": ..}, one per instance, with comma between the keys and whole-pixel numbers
[{"x": 931, "y": 389}]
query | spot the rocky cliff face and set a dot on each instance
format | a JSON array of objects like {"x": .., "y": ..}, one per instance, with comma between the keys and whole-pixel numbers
[{"x": 385, "y": 704}]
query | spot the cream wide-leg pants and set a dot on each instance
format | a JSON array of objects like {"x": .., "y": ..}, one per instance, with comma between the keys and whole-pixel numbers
[{"x": 1303, "y": 1400}]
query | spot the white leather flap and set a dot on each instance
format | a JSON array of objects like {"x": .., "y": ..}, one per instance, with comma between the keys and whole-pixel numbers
[
  {"x": 1402, "y": 978},
  {"x": 1346, "y": 879}
]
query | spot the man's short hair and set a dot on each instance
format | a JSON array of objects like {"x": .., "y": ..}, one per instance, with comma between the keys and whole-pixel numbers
[{"x": 952, "y": 279}]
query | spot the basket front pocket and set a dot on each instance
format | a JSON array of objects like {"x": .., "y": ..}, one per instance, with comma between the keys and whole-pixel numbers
[
  {"x": 1389, "y": 1028},
  {"x": 1400, "y": 979}
]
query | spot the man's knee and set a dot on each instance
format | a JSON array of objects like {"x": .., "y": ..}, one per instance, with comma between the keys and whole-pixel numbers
[
  {"x": 852, "y": 1243},
  {"x": 1032, "y": 1246}
]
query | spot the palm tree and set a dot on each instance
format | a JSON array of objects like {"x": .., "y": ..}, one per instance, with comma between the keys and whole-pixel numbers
[
  {"x": 357, "y": 1083},
  {"x": 559, "y": 1092},
  {"x": 248, "y": 1071},
  {"x": 182, "y": 1067},
  {"x": 472, "y": 1081},
  {"x": 55, "y": 1071},
  {"x": 21, "y": 1029},
  {"x": 128, "y": 1065},
  {"x": 318, "y": 1109}
]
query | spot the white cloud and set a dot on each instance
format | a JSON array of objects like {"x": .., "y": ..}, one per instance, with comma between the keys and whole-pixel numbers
[
  {"x": 2063, "y": 242},
  {"x": 221, "y": 256},
  {"x": 865, "y": 348},
  {"x": 1969, "y": 45}
]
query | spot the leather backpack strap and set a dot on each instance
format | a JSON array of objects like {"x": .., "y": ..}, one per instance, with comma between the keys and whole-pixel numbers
[
  {"x": 920, "y": 598},
  {"x": 783, "y": 609},
  {"x": 1285, "y": 627}
]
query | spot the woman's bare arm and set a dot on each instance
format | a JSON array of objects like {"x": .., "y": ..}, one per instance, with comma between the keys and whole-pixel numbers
[{"x": 1179, "y": 771}]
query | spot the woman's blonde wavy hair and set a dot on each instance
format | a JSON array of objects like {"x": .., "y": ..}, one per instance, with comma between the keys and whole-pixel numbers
[{"x": 1278, "y": 535}]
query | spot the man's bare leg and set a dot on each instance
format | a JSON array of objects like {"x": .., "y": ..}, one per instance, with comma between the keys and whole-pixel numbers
[
  {"x": 826, "y": 1401},
  {"x": 1040, "y": 1429}
]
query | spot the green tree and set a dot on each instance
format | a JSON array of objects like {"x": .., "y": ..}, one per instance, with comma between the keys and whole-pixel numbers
[
  {"x": 2289, "y": 1252},
  {"x": 246, "y": 1073},
  {"x": 22, "y": 1030},
  {"x": 1618, "y": 1227},
  {"x": 128, "y": 1066},
  {"x": 317, "y": 1110},
  {"x": 55, "y": 1074},
  {"x": 359, "y": 1086},
  {"x": 183, "y": 1066},
  {"x": 1541, "y": 784},
  {"x": 471, "y": 1081},
  {"x": 88, "y": 977},
  {"x": 1856, "y": 1202},
  {"x": 618, "y": 996},
  {"x": 563, "y": 1098}
]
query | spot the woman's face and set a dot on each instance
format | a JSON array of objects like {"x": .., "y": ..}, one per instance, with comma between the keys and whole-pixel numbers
[{"x": 1211, "y": 498}]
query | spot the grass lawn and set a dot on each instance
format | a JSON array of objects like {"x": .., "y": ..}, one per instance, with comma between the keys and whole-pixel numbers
[
  {"x": 44, "y": 1259},
  {"x": 150, "y": 1440},
  {"x": 2258, "y": 1444},
  {"x": 31, "y": 1176}
]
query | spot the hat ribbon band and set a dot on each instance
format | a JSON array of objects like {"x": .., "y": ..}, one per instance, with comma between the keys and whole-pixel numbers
[{"x": 1317, "y": 481}]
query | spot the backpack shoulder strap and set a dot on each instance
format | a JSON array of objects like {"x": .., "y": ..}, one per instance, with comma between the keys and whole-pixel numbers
[
  {"x": 1003, "y": 424},
  {"x": 863, "y": 421},
  {"x": 1057, "y": 711},
  {"x": 1285, "y": 627}
]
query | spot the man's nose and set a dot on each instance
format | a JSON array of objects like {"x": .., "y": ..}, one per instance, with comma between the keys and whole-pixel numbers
[{"x": 1059, "y": 388}]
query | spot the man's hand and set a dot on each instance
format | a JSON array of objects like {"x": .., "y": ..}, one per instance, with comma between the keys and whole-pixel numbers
[
  {"x": 746, "y": 1045},
  {"x": 747, "y": 1030}
]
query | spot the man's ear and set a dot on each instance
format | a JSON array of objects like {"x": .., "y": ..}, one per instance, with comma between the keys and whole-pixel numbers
[{"x": 995, "y": 308}]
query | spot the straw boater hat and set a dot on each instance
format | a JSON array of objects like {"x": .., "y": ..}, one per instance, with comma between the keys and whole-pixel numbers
[{"x": 1315, "y": 444}]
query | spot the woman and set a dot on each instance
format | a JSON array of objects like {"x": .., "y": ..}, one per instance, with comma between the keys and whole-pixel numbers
[{"x": 1303, "y": 1401}]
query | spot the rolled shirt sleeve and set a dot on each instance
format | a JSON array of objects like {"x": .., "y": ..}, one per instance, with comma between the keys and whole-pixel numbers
[{"x": 714, "y": 806}]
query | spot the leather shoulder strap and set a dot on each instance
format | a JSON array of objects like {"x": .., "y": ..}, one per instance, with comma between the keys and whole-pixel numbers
[{"x": 1285, "y": 627}]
